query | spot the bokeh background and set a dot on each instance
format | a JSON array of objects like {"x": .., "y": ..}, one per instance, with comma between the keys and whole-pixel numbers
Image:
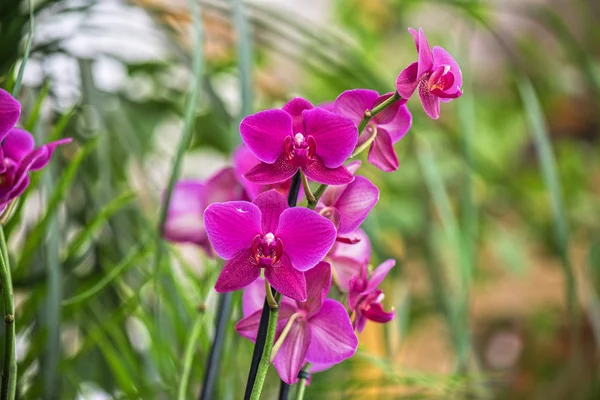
[{"x": 493, "y": 215}]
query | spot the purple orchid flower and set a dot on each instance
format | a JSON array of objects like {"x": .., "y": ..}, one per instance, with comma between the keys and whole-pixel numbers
[
  {"x": 319, "y": 330},
  {"x": 436, "y": 74},
  {"x": 243, "y": 161},
  {"x": 18, "y": 154},
  {"x": 389, "y": 126},
  {"x": 299, "y": 137},
  {"x": 185, "y": 217},
  {"x": 267, "y": 234},
  {"x": 347, "y": 257},
  {"x": 365, "y": 299},
  {"x": 347, "y": 206}
]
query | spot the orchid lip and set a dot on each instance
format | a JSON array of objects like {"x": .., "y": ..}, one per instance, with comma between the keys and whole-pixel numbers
[
  {"x": 266, "y": 250},
  {"x": 300, "y": 150}
]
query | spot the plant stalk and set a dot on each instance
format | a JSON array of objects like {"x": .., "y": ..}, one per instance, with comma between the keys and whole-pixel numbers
[{"x": 9, "y": 370}]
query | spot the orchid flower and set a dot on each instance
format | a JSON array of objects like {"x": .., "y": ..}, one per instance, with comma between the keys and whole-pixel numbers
[
  {"x": 18, "y": 154},
  {"x": 185, "y": 216},
  {"x": 347, "y": 206},
  {"x": 243, "y": 161},
  {"x": 436, "y": 74},
  {"x": 299, "y": 137},
  {"x": 365, "y": 299},
  {"x": 317, "y": 330},
  {"x": 267, "y": 234},
  {"x": 384, "y": 129},
  {"x": 347, "y": 257}
]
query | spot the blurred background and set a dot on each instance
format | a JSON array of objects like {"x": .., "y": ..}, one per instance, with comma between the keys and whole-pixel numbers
[{"x": 493, "y": 215}]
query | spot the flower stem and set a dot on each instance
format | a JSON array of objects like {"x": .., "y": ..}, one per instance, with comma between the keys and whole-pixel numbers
[
  {"x": 283, "y": 335},
  {"x": 9, "y": 371},
  {"x": 270, "y": 299},
  {"x": 265, "y": 317},
  {"x": 309, "y": 195},
  {"x": 369, "y": 114},
  {"x": 303, "y": 375},
  {"x": 188, "y": 356},
  {"x": 284, "y": 391},
  {"x": 214, "y": 357},
  {"x": 265, "y": 360}
]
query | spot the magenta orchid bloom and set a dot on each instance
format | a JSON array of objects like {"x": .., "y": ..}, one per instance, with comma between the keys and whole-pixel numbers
[
  {"x": 267, "y": 234},
  {"x": 299, "y": 137},
  {"x": 185, "y": 217},
  {"x": 319, "y": 332},
  {"x": 18, "y": 154},
  {"x": 348, "y": 256},
  {"x": 389, "y": 126},
  {"x": 365, "y": 299},
  {"x": 436, "y": 74},
  {"x": 347, "y": 206},
  {"x": 243, "y": 161}
]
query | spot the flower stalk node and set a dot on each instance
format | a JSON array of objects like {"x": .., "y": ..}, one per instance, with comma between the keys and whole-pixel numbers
[{"x": 9, "y": 318}]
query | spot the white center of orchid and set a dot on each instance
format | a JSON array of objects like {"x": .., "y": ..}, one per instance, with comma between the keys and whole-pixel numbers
[
  {"x": 269, "y": 238},
  {"x": 446, "y": 69},
  {"x": 299, "y": 139}
]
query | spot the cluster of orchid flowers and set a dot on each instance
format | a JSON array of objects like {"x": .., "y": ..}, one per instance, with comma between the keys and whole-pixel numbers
[
  {"x": 18, "y": 154},
  {"x": 242, "y": 214}
]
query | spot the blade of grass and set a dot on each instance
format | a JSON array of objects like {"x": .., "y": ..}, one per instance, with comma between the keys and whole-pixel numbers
[
  {"x": 17, "y": 88},
  {"x": 188, "y": 357},
  {"x": 188, "y": 127},
  {"x": 547, "y": 162}
]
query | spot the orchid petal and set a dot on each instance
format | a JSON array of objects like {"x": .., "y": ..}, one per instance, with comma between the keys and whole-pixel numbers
[
  {"x": 376, "y": 313},
  {"x": 286, "y": 279},
  {"x": 42, "y": 155},
  {"x": 407, "y": 81},
  {"x": 243, "y": 161},
  {"x": 271, "y": 204},
  {"x": 431, "y": 103},
  {"x": 264, "y": 133},
  {"x": 389, "y": 113},
  {"x": 295, "y": 107},
  {"x": 382, "y": 154},
  {"x": 223, "y": 186},
  {"x": 306, "y": 236},
  {"x": 335, "y": 136},
  {"x": 332, "y": 337},
  {"x": 265, "y": 173},
  {"x": 232, "y": 226},
  {"x": 352, "y": 104},
  {"x": 10, "y": 111},
  {"x": 291, "y": 355},
  {"x": 248, "y": 326},
  {"x": 425, "y": 55},
  {"x": 379, "y": 275},
  {"x": 344, "y": 268},
  {"x": 355, "y": 203},
  {"x": 238, "y": 272},
  {"x": 400, "y": 124},
  {"x": 442, "y": 57},
  {"x": 318, "y": 284},
  {"x": 253, "y": 297},
  {"x": 360, "y": 251},
  {"x": 17, "y": 144},
  {"x": 318, "y": 172},
  {"x": 185, "y": 220}
]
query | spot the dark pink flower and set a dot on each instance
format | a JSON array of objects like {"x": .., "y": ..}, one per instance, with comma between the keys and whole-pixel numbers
[
  {"x": 299, "y": 136},
  {"x": 243, "y": 161},
  {"x": 365, "y": 299},
  {"x": 347, "y": 206},
  {"x": 185, "y": 217},
  {"x": 267, "y": 234},
  {"x": 347, "y": 257},
  {"x": 18, "y": 154},
  {"x": 389, "y": 126},
  {"x": 319, "y": 332},
  {"x": 436, "y": 74}
]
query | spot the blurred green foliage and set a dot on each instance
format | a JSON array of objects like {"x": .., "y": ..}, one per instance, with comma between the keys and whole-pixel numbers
[{"x": 487, "y": 205}]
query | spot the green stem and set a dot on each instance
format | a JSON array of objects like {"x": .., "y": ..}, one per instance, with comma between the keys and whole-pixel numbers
[
  {"x": 188, "y": 357},
  {"x": 9, "y": 371},
  {"x": 265, "y": 360},
  {"x": 369, "y": 114},
  {"x": 302, "y": 381}
]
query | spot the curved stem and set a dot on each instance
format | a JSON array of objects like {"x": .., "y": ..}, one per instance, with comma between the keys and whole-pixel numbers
[
  {"x": 188, "y": 357},
  {"x": 214, "y": 357},
  {"x": 284, "y": 391},
  {"x": 9, "y": 371},
  {"x": 261, "y": 335},
  {"x": 265, "y": 359},
  {"x": 303, "y": 375},
  {"x": 369, "y": 114}
]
